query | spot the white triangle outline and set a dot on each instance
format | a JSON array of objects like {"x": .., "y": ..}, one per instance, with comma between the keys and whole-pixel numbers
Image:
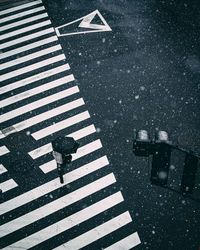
[{"x": 86, "y": 23}]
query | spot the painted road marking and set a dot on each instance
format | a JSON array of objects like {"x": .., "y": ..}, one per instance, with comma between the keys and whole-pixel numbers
[
  {"x": 127, "y": 243},
  {"x": 50, "y": 186},
  {"x": 82, "y": 151},
  {"x": 8, "y": 185},
  {"x": 26, "y": 38},
  {"x": 22, "y": 14},
  {"x": 34, "y": 78},
  {"x": 2, "y": 169},
  {"x": 47, "y": 148},
  {"x": 45, "y": 116},
  {"x": 28, "y": 47},
  {"x": 61, "y": 125},
  {"x": 29, "y": 28},
  {"x": 30, "y": 57},
  {"x": 32, "y": 67},
  {"x": 85, "y": 23},
  {"x": 21, "y": 22},
  {"x": 3, "y": 150},
  {"x": 37, "y": 104},
  {"x": 68, "y": 222},
  {"x": 20, "y": 7},
  {"x": 56, "y": 205},
  {"x": 97, "y": 233}
]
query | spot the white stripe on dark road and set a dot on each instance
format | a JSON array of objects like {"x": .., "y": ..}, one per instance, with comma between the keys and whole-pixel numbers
[
  {"x": 32, "y": 67},
  {"x": 45, "y": 116},
  {"x": 21, "y": 22},
  {"x": 47, "y": 148},
  {"x": 8, "y": 185},
  {"x": 3, "y": 150},
  {"x": 2, "y": 169},
  {"x": 37, "y": 104},
  {"x": 127, "y": 243},
  {"x": 20, "y": 7},
  {"x": 26, "y": 38},
  {"x": 30, "y": 57},
  {"x": 53, "y": 185},
  {"x": 56, "y": 205},
  {"x": 97, "y": 233},
  {"x": 29, "y": 28},
  {"x": 82, "y": 151},
  {"x": 28, "y": 47},
  {"x": 61, "y": 125},
  {"x": 22, "y": 14},
  {"x": 31, "y": 79},
  {"x": 68, "y": 222}
]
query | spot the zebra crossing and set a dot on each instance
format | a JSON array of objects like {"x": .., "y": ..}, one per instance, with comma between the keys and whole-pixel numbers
[{"x": 38, "y": 96}]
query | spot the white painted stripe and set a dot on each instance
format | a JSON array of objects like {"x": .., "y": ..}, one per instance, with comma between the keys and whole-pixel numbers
[
  {"x": 2, "y": 169},
  {"x": 68, "y": 222},
  {"x": 26, "y": 38},
  {"x": 47, "y": 148},
  {"x": 21, "y": 22},
  {"x": 82, "y": 151},
  {"x": 87, "y": 149},
  {"x": 127, "y": 243},
  {"x": 31, "y": 79},
  {"x": 22, "y": 14},
  {"x": 28, "y": 47},
  {"x": 61, "y": 125},
  {"x": 3, "y": 150},
  {"x": 29, "y": 28},
  {"x": 30, "y": 57},
  {"x": 56, "y": 205},
  {"x": 20, "y": 7},
  {"x": 53, "y": 185},
  {"x": 97, "y": 233},
  {"x": 37, "y": 104},
  {"x": 44, "y": 116},
  {"x": 7, "y": 185},
  {"x": 32, "y": 67}
]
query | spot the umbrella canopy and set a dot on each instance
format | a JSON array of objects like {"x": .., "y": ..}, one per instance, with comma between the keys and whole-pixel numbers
[{"x": 65, "y": 145}]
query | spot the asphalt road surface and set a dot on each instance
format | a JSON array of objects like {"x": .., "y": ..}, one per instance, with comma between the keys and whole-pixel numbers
[{"x": 139, "y": 68}]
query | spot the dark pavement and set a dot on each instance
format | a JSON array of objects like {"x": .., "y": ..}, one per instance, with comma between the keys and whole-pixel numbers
[{"x": 144, "y": 74}]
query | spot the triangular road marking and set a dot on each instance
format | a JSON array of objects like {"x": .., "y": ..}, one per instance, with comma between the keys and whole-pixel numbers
[{"x": 86, "y": 23}]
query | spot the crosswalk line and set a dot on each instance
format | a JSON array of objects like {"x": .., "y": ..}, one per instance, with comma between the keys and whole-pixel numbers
[
  {"x": 31, "y": 79},
  {"x": 30, "y": 57},
  {"x": 97, "y": 233},
  {"x": 26, "y": 38},
  {"x": 44, "y": 116},
  {"x": 32, "y": 67},
  {"x": 22, "y": 14},
  {"x": 8, "y": 185},
  {"x": 50, "y": 186},
  {"x": 37, "y": 104},
  {"x": 21, "y": 31},
  {"x": 82, "y": 151},
  {"x": 20, "y": 7},
  {"x": 3, "y": 150},
  {"x": 28, "y": 47},
  {"x": 56, "y": 205},
  {"x": 2, "y": 169},
  {"x": 87, "y": 149},
  {"x": 127, "y": 243},
  {"x": 21, "y": 22},
  {"x": 68, "y": 222},
  {"x": 47, "y": 148},
  {"x": 61, "y": 125}
]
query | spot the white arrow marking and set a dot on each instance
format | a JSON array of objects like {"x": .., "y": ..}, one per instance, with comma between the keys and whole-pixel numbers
[{"x": 86, "y": 23}]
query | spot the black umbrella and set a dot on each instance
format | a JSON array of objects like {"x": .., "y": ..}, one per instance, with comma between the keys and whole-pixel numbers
[{"x": 65, "y": 145}]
